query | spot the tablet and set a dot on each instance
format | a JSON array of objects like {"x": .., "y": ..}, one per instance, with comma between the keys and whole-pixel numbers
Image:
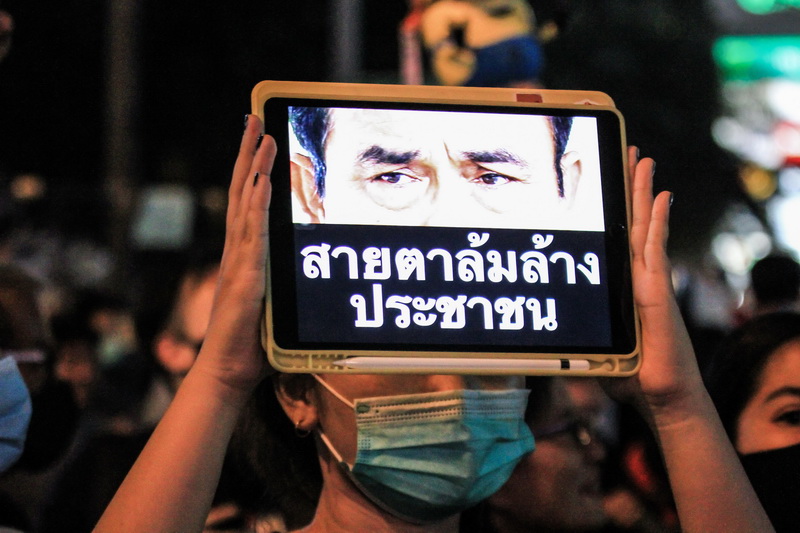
[{"x": 447, "y": 230}]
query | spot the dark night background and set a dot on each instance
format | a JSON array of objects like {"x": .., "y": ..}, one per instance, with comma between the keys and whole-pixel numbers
[{"x": 197, "y": 62}]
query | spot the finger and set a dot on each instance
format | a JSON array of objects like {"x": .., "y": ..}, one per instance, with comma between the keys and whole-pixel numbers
[
  {"x": 244, "y": 161},
  {"x": 257, "y": 196},
  {"x": 247, "y": 232},
  {"x": 265, "y": 159},
  {"x": 633, "y": 160},
  {"x": 642, "y": 206},
  {"x": 655, "y": 254}
]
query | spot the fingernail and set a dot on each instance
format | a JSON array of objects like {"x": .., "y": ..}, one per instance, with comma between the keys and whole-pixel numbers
[
  {"x": 258, "y": 142},
  {"x": 255, "y": 179},
  {"x": 637, "y": 153},
  {"x": 671, "y": 198},
  {"x": 246, "y": 118},
  {"x": 653, "y": 171}
]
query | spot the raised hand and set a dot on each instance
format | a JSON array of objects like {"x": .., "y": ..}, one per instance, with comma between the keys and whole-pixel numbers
[
  {"x": 172, "y": 483},
  {"x": 669, "y": 376},
  {"x": 232, "y": 349}
]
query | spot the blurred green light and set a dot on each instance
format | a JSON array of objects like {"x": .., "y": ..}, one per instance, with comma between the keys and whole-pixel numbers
[
  {"x": 764, "y": 7},
  {"x": 758, "y": 57}
]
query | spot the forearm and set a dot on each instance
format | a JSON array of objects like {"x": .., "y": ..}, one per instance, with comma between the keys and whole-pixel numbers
[
  {"x": 172, "y": 483},
  {"x": 711, "y": 490}
]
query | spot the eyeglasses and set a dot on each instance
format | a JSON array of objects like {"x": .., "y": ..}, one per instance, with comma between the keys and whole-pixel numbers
[{"x": 579, "y": 430}]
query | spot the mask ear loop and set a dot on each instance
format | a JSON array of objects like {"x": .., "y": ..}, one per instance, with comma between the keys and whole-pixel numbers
[
  {"x": 334, "y": 392},
  {"x": 321, "y": 434},
  {"x": 324, "y": 438}
]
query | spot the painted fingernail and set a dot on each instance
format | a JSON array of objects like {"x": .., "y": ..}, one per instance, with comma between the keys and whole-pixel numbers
[
  {"x": 258, "y": 142},
  {"x": 255, "y": 179},
  {"x": 653, "y": 170},
  {"x": 671, "y": 198},
  {"x": 246, "y": 118},
  {"x": 637, "y": 153}
]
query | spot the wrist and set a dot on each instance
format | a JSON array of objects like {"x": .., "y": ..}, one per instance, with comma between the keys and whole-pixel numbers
[
  {"x": 214, "y": 386},
  {"x": 679, "y": 409}
]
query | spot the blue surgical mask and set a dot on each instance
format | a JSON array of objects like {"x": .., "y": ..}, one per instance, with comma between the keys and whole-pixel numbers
[
  {"x": 15, "y": 412},
  {"x": 425, "y": 457}
]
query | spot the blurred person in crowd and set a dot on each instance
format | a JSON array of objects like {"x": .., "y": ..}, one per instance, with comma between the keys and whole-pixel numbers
[
  {"x": 173, "y": 324},
  {"x": 754, "y": 380},
  {"x": 636, "y": 490},
  {"x": 15, "y": 410},
  {"x": 774, "y": 286},
  {"x": 24, "y": 335},
  {"x": 560, "y": 487},
  {"x": 37, "y": 414},
  {"x": 123, "y": 371},
  {"x": 172, "y": 484},
  {"x": 177, "y": 339},
  {"x": 111, "y": 318},
  {"x": 638, "y": 498},
  {"x": 595, "y": 406},
  {"x": 75, "y": 357},
  {"x": 15, "y": 413},
  {"x": 775, "y": 283}
]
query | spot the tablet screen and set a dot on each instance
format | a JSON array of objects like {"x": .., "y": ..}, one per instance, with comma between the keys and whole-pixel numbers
[{"x": 399, "y": 227}]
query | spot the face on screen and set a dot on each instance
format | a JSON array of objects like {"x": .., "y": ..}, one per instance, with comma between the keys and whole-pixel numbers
[{"x": 429, "y": 168}]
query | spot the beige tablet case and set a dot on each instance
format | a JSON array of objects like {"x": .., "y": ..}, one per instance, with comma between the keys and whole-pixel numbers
[{"x": 485, "y": 363}]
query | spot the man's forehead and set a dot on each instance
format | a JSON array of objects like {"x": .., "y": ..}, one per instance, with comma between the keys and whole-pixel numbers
[
  {"x": 397, "y": 118},
  {"x": 470, "y": 132}
]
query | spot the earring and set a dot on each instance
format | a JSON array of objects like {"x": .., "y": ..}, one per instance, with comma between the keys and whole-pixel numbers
[{"x": 300, "y": 432}]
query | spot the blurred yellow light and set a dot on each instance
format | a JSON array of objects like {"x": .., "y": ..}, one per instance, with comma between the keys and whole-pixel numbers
[{"x": 759, "y": 183}]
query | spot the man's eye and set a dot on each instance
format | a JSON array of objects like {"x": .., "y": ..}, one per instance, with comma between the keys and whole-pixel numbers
[
  {"x": 791, "y": 418},
  {"x": 394, "y": 178},
  {"x": 493, "y": 179}
]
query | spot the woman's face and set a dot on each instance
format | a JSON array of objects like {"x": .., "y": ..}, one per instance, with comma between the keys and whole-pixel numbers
[{"x": 771, "y": 419}]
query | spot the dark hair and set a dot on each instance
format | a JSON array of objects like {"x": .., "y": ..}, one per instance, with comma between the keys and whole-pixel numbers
[
  {"x": 736, "y": 367},
  {"x": 312, "y": 124},
  {"x": 283, "y": 464},
  {"x": 562, "y": 127},
  {"x": 775, "y": 279}
]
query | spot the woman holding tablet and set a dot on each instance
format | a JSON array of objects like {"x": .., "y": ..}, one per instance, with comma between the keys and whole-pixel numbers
[{"x": 170, "y": 488}]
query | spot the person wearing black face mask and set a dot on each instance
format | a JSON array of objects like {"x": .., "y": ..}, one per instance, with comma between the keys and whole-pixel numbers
[{"x": 754, "y": 381}]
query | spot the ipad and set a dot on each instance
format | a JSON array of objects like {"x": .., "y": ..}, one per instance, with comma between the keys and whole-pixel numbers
[{"x": 447, "y": 230}]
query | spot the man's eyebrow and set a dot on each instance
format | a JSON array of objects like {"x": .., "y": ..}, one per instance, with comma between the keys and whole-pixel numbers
[
  {"x": 492, "y": 156},
  {"x": 379, "y": 155},
  {"x": 792, "y": 391}
]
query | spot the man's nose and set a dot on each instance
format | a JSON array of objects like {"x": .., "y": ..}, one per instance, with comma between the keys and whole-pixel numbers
[{"x": 450, "y": 201}]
